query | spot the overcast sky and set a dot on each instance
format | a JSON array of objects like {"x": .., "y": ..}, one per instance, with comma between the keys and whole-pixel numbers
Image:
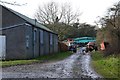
[{"x": 90, "y": 9}]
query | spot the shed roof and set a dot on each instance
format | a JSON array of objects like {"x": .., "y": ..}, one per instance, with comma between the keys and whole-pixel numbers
[
  {"x": 31, "y": 21},
  {"x": 84, "y": 39}
]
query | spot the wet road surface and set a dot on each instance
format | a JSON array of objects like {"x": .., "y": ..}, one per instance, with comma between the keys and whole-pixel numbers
[{"x": 75, "y": 66}]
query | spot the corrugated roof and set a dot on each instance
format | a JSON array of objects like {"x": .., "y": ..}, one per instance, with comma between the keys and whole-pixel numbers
[
  {"x": 84, "y": 39},
  {"x": 31, "y": 21}
]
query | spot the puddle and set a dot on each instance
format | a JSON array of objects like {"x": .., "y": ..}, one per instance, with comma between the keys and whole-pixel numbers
[{"x": 75, "y": 66}]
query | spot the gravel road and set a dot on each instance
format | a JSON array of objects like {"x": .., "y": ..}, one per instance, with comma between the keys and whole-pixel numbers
[{"x": 75, "y": 66}]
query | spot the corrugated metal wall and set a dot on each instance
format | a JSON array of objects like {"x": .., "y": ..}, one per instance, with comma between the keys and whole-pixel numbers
[
  {"x": 46, "y": 42},
  {"x": 55, "y": 44},
  {"x": 41, "y": 42},
  {"x": 51, "y": 43},
  {"x": 29, "y": 42},
  {"x": 26, "y": 41},
  {"x": 0, "y": 19},
  {"x": 36, "y": 42},
  {"x": 15, "y": 43}
]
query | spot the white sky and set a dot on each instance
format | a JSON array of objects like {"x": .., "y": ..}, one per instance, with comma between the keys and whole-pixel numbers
[{"x": 90, "y": 9}]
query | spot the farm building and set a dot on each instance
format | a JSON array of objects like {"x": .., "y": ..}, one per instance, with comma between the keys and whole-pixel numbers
[{"x": 24, "y": 38}]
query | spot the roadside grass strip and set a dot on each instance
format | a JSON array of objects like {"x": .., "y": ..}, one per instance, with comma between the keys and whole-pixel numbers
[
  {"x": 108, "y": 67},
  {"x": 41, "y": 59}
]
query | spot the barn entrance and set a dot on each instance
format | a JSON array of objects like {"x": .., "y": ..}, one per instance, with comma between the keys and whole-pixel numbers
[{"x": 2, "y": 47}]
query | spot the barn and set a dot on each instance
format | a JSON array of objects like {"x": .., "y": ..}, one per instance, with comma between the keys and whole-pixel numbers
[{"x": 24, "y": 38}]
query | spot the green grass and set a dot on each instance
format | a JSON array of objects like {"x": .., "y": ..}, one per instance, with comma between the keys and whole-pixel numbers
[
  {"x": 16, "y": 62},
  {"x": 55, "y": 57},
  {"x": 44, "y": 58},
  {"x": 106, "y": 66}
]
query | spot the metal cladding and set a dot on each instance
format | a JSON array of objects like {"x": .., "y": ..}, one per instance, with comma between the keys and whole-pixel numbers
[{"x": 25, "y": 38}]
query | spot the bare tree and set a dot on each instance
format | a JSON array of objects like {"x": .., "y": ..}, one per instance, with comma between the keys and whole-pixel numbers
[
  {"x": 48, "y": 13},
  {"x": 69, "y": 15},
  {"x": 52, "y": 13}
]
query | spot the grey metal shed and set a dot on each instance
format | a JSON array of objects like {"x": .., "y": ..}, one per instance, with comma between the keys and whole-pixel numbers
[{"x": 25, "y": 38}]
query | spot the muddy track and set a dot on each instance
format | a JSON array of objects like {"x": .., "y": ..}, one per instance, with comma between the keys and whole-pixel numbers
[{"x": 75, "y": 66}]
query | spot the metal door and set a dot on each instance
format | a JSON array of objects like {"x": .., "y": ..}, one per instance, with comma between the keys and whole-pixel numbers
[
  {"x": 2, "y": 47},
  {"x": 36, "y": 43}
]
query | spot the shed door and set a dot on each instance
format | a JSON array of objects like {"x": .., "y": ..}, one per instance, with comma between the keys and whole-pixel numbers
[
  {"x": 2, "y": 47},
  {"x": 36, "y": 42}
]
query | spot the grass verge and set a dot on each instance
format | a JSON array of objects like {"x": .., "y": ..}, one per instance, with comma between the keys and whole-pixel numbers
[
  {"x": 44, "y": 58},
  {"x": 108, "y": 67}
]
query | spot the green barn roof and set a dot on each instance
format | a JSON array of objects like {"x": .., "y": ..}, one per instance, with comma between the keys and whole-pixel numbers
[{"x": 84, "y": 39}]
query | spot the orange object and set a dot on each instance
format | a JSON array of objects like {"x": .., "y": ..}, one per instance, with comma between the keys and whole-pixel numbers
[{"x": 102, "y": 46}]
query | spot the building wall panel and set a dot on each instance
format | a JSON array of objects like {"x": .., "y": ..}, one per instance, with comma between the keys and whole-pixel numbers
[
  {"x": 15, "y": 43},
  {"x": 46, "y": 43}
]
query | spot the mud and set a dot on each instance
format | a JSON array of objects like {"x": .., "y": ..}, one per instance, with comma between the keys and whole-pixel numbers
[{"x": 75, "y": 66}]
